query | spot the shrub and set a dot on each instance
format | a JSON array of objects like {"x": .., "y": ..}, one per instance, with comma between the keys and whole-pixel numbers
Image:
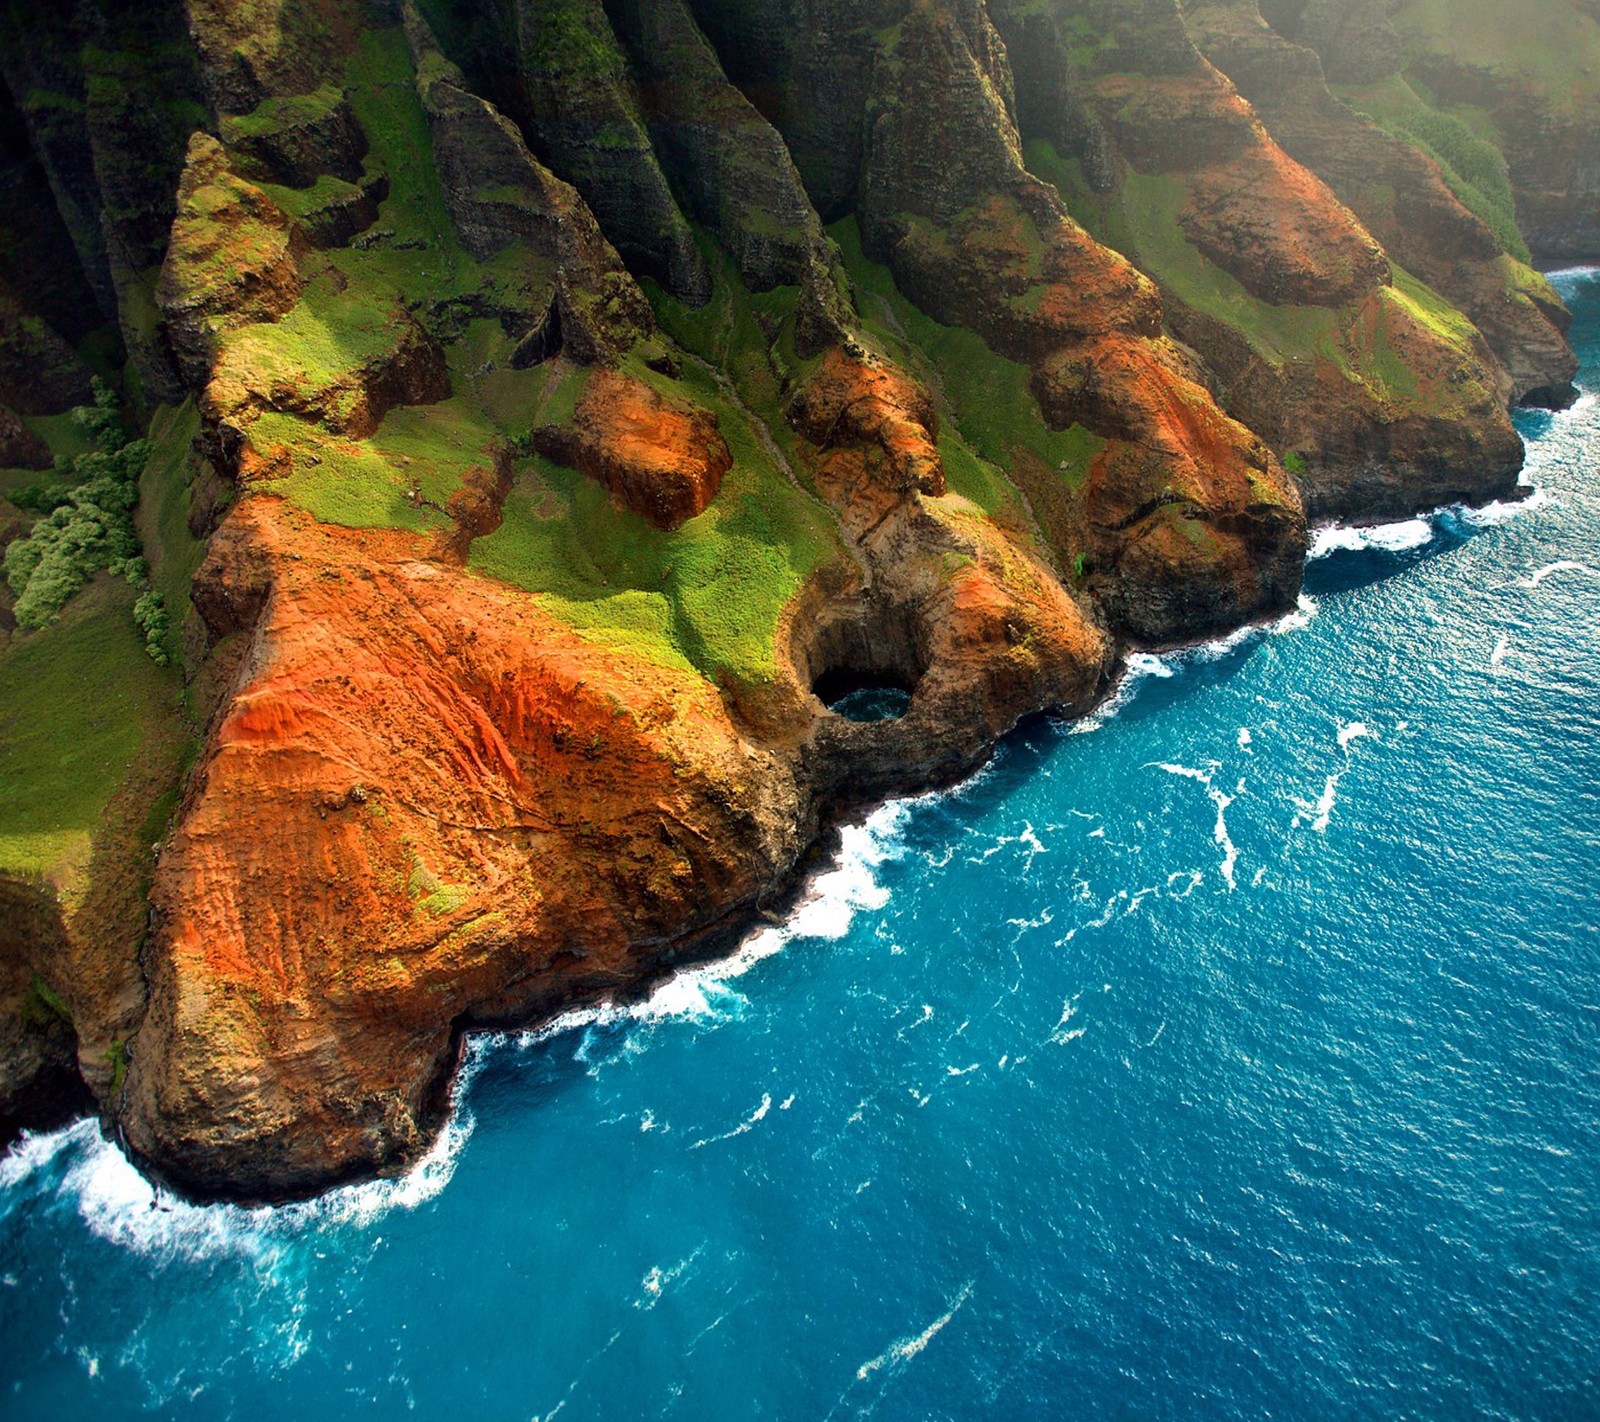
[
  {"x": 150, "y": 612},
  {"x": 88, "y": 527}
]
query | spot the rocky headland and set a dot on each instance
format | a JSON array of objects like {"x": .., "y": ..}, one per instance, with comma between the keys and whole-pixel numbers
[{"x": 545, "y": 404}]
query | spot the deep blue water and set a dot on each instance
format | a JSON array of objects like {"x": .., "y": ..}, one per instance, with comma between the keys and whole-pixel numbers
[{"x": 1238, "y": 1059}]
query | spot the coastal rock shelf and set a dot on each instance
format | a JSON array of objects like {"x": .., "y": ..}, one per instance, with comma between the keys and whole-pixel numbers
[{"x": 559, "y": 457}]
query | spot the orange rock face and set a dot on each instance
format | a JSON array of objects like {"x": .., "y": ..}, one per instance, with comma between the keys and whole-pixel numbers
[
  {"x": 664, "y": 459},
  {"x": 426, "y": 804},
  {"x": 865, "y": 401}
]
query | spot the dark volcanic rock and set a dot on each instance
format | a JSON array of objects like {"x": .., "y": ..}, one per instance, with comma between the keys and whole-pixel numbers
[
  {"x": 296, "y": 139},
  {"x": 577, "y": 103},
  {"x": 499, "y": 194}
]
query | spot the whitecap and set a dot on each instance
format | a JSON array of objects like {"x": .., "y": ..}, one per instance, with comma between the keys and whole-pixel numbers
[
  {"x": 1140, "y": 667},
  {"x": 1321, "y": 814},
  {"x": 748, "y": 1124},
  {"x": 657, "y": 1280},
  {"x": 1499, "y": 511},
  {"x": 120, "y": 1205},
  {"x": 1400, "y": 537},
  {"x": 904, "y": 1350},
  {"x": 1353, "y": 731},
  {"x": 1219, "y": 833},
  {"x": 1561, "y": 565},
  {"x": 1230, "y": 851},
  {"x": 1137, "y": 668}
]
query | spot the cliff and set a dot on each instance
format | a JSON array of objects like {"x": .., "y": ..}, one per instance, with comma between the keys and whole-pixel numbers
[{"x": 548, "y": 404}]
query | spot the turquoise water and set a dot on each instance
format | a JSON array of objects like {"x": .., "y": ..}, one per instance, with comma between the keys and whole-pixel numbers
[{"x": 1236, "y": 1056}]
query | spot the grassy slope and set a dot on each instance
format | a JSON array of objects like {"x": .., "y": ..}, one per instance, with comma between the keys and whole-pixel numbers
[
  {"x": 1140, "y": 219},
  {"x": 77, "y": 702},
  {"x": 987, "y": 397},
  {"x": 163, "y": 514},
  {"x": 1461, "y": 141},
  {"x": 706, "y": 596},
  {"x": 1550, "y": 44}
]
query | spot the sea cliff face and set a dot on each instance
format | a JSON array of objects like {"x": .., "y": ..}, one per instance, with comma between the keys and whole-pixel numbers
[{"x": 546, "y": 400}]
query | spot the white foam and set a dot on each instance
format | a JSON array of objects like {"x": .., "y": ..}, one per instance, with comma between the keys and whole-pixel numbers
[
  {"x": 1063, "y": 1031},
  {"x": 1561, "y": 565},
  {"x": 825, "y": 912},
  {"x": 899, "y": 1353},
  {"x": 1244, "y": 738},
  {"x": 1140, "y": 667},
  {"x": 1500, "y": 511},
  {"x": 748, "y": 1124},
  {"x": 658, "y": 1280},
  {"x": 1352, "y": 732},
  {"x": 35, "y": 1150},
  {"x": 1320, "y": 815},
  {"x": 1398, "y": 537},
  {"x": 1194, "y": 878},
  {"x": 1219, "y": 834},
  {"x": 1502, "y": 647},
  {"x": 121, "y": 1206},
  {"x": 1230, "y": 851}
]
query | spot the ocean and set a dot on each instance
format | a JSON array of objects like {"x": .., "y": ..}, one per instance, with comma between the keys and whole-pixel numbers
[{"x": 1233, "y": 1054}]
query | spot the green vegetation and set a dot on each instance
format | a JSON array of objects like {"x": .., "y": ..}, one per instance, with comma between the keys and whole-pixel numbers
[
  {"x": 42, "y": 1005},
  {"x": 423, "y": 261},
  {"x": 988, "y": 396},
  {"x": 707, "y": 595},
  {"x": 316, "y": 350},
  {"x": 274, "y": 115},
  {"x": 1552, "y": 45},
  {"x": 1140, "y": 220},
  {"x": 1433, "y": 311},
  {"x": 162, "y": 516},
  {"x": 1461, "y": 141},
  {"x": 90, "y": 530},
  {"x": 401, "y": 477},
  {"x": 75, "y": 702},
  {"x": 117, "y": 1059}
]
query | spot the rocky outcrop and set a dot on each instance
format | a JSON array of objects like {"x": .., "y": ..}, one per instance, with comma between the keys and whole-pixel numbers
[
  {"x": 234, "y": 259},
  {"x": 863, "y": 403},
  {"x": 663, "y": 458},
  {"x": 731, "y": 165},
  {"x": 297, "y": 139},
  {"x": 39, "y": 373},
  {"x": 246, "y": 58},
  {"x": 40, "y": 1085},
  {"x": 1531, "y": 76},
  {"x": 109, "y": 96},
  {"x": 576, "y": 101},
  {"x": 499, "y": 195},
  {"x": 1264, "y": 272},
  {"x": 975, "y": 239},
  {"x": 20, "y": 447}
]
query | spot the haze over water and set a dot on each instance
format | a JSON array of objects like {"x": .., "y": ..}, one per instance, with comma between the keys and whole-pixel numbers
[{"x": 1235, "y": 1056}]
